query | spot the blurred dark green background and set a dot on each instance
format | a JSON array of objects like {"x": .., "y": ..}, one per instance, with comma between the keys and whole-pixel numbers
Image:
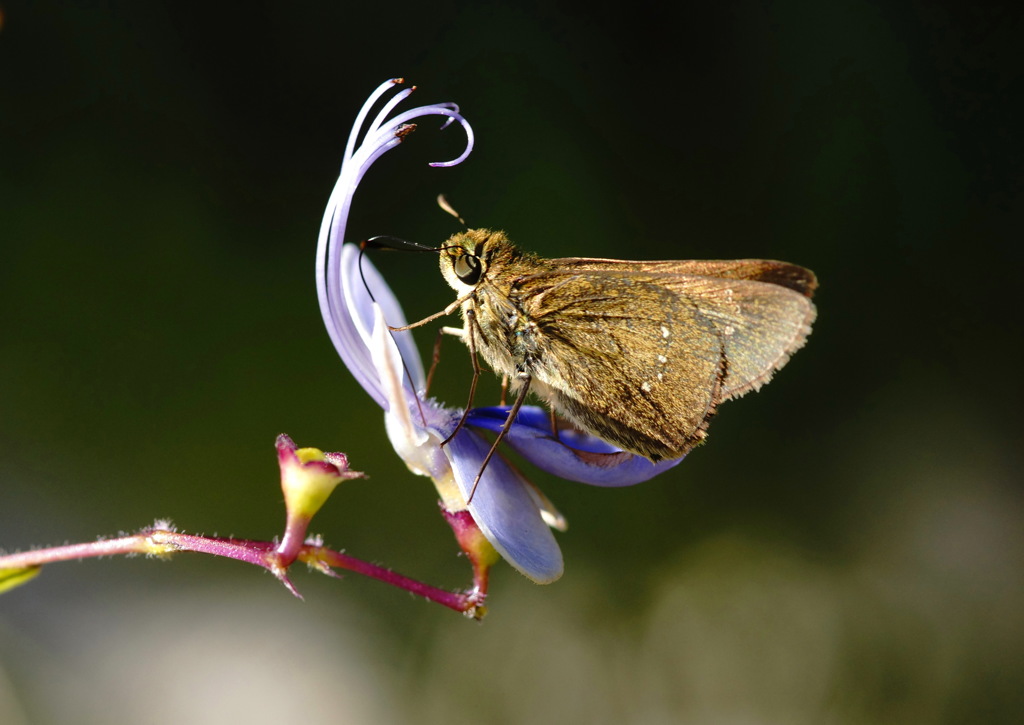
[{"x": 849, "y": 546}]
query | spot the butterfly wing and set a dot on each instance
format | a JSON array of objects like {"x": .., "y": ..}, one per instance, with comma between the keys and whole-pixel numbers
[
  {"x": 643, "y": 356},
  {"x": 762, "y": 307}
]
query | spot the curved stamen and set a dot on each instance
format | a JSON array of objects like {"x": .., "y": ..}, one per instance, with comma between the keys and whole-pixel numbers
[
  {"x": 387, "y": 109},
  {"x": 363, "y": 112},
  {"x": 394, "y": 124},
  {"x": 377, "y": 138}
]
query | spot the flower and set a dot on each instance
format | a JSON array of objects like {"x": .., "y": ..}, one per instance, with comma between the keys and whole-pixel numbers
[
  {"x": 513, "y": 516},
  {"x": 308, "y": 477}
]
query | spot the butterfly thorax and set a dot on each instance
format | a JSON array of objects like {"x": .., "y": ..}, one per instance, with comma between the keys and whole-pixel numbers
[{"x": 493, "y": 310}]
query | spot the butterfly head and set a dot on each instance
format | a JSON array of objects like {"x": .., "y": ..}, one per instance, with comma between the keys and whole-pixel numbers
[{"x": 466, "y": 257}]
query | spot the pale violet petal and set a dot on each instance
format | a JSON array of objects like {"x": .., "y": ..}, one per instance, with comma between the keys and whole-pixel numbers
[
  {"x": 361, "y": 291},
  {"x": 573, "y": 456},
  {"x": 350, "y": 335},
  {"x": 504, "y": 509},
  {"x": 412, "y": 434},
  {"x": 414, "y": 426}
]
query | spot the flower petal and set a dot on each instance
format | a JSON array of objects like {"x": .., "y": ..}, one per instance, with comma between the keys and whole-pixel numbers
[
  {"x": 504, "y": 509},
  {"x": 573, "y": 455},
  {"x": 413, "y": 437},
  {"x": 350, "y": 326},
  {"x": 360, "y": 292}
]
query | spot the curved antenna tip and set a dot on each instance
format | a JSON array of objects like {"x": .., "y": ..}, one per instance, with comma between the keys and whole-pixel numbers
[{"x": 442, "y": 201}]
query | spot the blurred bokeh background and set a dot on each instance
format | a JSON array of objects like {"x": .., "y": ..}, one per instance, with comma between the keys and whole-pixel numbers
[{"x": 849, "y": 548}]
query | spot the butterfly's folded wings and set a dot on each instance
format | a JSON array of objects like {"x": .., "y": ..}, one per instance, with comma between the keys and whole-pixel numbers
[{"x": 641, "y": 353}]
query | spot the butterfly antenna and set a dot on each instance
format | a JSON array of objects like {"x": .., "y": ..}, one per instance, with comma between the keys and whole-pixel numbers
[{"x": 442, "y": 201}]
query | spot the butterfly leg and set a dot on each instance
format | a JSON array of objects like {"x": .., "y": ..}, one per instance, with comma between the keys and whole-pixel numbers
[
  {"x": 512, "y": 413},
  {"x": 470, "y": 339},
  {"x": 554, "y": 424},
  {"x": 436, "y": 357}
]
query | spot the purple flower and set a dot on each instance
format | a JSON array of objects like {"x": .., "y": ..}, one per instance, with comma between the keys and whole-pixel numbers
[{"x": 513, "y": 515}]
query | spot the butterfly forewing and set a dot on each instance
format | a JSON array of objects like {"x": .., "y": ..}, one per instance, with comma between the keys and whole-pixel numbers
[
  {"x": 658, "y": 403},
  {"x": 758, "y": 324},
  {"x": 761, "y": 308},
  {"x": 628, "y": 352}
]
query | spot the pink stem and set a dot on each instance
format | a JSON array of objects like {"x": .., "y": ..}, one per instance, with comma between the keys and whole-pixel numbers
[
  {"x": 260, "y": 553},
  {"x": 469, "y": 603}
]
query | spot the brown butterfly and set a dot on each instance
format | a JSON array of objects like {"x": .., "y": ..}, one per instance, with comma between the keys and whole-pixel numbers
[{"x": 638, "y": 353}]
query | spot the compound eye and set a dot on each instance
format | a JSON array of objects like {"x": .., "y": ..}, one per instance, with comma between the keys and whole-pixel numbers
[{"x": 467, "y": 268}]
